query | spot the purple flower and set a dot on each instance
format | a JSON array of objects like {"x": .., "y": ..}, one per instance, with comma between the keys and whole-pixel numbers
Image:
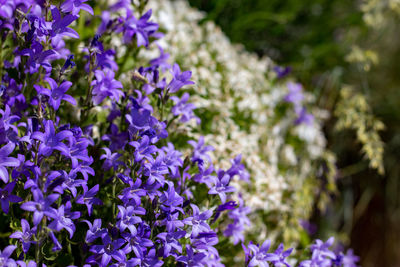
[
  {"x": 238, "y": 168},
  {"x": 179, "y": 79},
  {"x": 5, "y": 256},
  {"x": 30, "y": 264},
  {"x": 111, "y": 160},
  {"x": 240, "y": 221},
  {"x": 127, "y": 218},
  {"x": 108, "y": 250},
  {"x": 141, "y": 28},
  {"x": 295, "y": 94},
  {"x": 38, "y": 26},
  {"x": 154, "y": 82},
  {"x": 282, "y": 71},
  {"x": 171, "y": 242},
  {"x": 105, "y": 86},
  {"x": 7, "y": 119},
  {"x": 255, "y": 255},
  {"x": 78, "y": 151},
  {"x": 200, "y": 152},
  {"x": 278, "y": 257},
  {"x": 74, "y": 6},
  {"x": 117, "y": 140},
  {"x": 138, "y": 242},
  {"x": 68, "y": 63},
  {"x": 95, "y": 231},
  {"x": 349, "y": 259},
  {"x": 60, "y": 24},
  {"x": 56, "y": 93},
  {"x": 323, "y": 248},
  {"x": 172, "y": 158},
  {"x": 204, "y": 176},
  {"x": 25, "y": 236},
  {"x": 26, "y": 169},
  {"x": 135, "y": 192},
  {"x": 88, "y": 198},
  {"x": 221, "y": 186},
  {"x": 240, "y": 214},
  {"x": 40, "y": 206},
  {"x": 304, "y": 117},
  {"x": 138, "y": 119},
  {"x": 170, "y": 199},
  {"x": 50, "y": 140},
  {"x": 61, "y": 221},
  {"x": 192, "y": 258},
  {"x": 230, "y": 205},
  {"x": 6, "y": 161},
  {"x": 184, "y": 109},
  {"x": 198, "y": 221},
  {"x": 7, "y": 8},
  {"x": 6, "y": 197},
  {"x": 235, "y": 231},
  {"x": 155, "y": 170},
  {"x": 321, "y": 255},
  {"x": 150, "y": 259},
  {"x": 172, "y": 221},
  {"x": 143, "y": 149},
  {"x": 37, "y": 57}
]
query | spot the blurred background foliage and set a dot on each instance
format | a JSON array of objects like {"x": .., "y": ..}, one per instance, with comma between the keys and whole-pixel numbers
[{"x": 348, "y": 54}]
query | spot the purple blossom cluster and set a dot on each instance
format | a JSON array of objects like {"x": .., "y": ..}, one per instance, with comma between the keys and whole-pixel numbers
[
  {"x": 322, "y": 255},
  {"x": 112, "y": 191},
  {"x": 296, "y": 97}
]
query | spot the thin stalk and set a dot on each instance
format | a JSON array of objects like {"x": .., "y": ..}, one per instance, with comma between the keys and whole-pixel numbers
[{"x": 113, "y": 194}]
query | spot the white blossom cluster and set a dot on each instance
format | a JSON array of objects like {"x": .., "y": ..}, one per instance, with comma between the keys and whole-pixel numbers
[{"x": 233, "y": 84}]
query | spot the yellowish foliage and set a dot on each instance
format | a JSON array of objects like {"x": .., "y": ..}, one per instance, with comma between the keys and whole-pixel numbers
[{"x": 353, "y": 112}]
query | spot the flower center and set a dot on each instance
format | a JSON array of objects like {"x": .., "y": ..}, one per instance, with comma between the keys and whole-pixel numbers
[{"x": 4, "y": 194}]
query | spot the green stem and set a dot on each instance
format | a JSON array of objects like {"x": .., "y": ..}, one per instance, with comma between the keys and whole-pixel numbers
[
  {"x": 113, "y": 194},
  {"x": 88, "y": 100}
]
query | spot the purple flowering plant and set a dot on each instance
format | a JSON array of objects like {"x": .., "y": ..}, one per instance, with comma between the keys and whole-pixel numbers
[{"x": 93, "y": 171}]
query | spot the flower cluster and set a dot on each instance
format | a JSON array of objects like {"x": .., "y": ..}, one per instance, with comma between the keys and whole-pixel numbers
[
  {"x": 95, "y": 169},
  {"x": 240, "y": 99},
  {"x": 295, "y": 96}
]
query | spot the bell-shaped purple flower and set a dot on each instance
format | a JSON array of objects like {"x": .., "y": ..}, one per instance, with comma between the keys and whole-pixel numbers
[
  {"x": 95, "y": 231},
  {"x": 295, "y": 94},
  {"x": 278, "y": 258},
  {"x": 56, "y": 93},
  {"x": 5, "y": 259},
  {"x": 105, "y": 86},
  {"x": 60, "y": 24},
  {"x": 6, "y": 197},
  {"x": 61, "y": 221},
  {"x": 198, "y": 221},
  {"x": 74, "y": 6},
  {"x": 40, "y": 206},
  {"x": 25, "y": 236},
  {"x": 50, "y": 140},
  {"x": 179, "y": 79},
  {"x": 127, "y": 218},
  {"x": 183, "y": 108},
  {"x": 221, "y": 186},
  {"x": 200, "y": 152},
  {"x": 111, "y": 160},
  {"x": 89, "y": 199},
  {"x": 143, "y": 149},
  {"x": 6, "y": 161},
  {"x": 141, "y": 28}
]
